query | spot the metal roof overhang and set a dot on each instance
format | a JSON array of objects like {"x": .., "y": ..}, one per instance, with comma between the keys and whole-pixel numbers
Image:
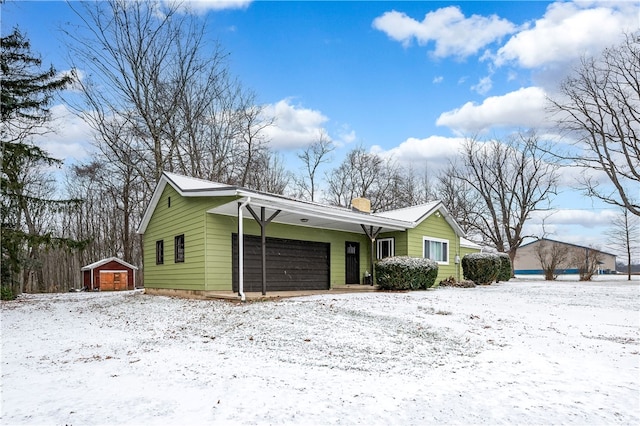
[{"x": 311, "y": 215}]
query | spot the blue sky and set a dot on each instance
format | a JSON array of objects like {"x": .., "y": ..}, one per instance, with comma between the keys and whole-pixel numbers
[{"x": 404, "y": 79}]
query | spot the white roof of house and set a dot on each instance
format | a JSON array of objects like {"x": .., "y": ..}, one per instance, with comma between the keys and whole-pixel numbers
[
  {"x": 469, "y": 244},
  {"x": 189, "y": 184},
  {"x": 105, "y": 261},
  {"x": 294, "y": 212},
  {"x": 411, "y": 214},
  {"x": 417, "y": 214}
]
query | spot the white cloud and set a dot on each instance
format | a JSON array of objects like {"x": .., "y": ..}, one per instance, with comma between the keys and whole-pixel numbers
[
  {"x": 585, "y": 227},
  {"x": 71, "y": 139},
  {"x": 452, "y": 33},
  {"x": 569, "y": 30},
  {"x": 484, "y": 85},
  {"x": 585, "y": 218},
  {"x": 346, "y": 136},
  {"x": 294, "y": 127},
  {"x": 438, "y": 79},
  {"x": 201, "y": 7},
  {"x": 523, "y": 108},
  {"x": 432, "y": 152}
]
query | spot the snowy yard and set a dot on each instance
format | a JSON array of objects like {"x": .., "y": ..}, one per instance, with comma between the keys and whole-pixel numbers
[{"x": 519, "y": 352}]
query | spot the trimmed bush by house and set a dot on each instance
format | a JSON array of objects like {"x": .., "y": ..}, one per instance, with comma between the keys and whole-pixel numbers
[
  {"x": 406, "y": 273},
  {"x": 481, "y": 268},
  {"x": 504, "y": 274}
]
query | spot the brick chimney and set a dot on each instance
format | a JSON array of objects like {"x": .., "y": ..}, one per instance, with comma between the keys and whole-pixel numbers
[{"x": 361, "y": 204}]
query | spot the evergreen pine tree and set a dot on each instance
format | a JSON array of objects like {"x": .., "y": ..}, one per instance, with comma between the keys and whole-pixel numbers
[{"x": 27, "y": 91}]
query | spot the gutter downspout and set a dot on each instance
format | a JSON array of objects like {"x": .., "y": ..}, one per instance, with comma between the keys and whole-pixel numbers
[
  {"x": 457, "y": 260},
  {"x": 241, "y": 250}
]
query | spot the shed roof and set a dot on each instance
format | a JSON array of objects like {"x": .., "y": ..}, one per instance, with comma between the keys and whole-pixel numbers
[{"x": 94, "y": 265}]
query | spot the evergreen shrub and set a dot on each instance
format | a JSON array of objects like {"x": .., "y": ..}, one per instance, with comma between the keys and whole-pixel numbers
[
  {"x": 504, "y": 274},
  {"x": 481, "y": 268},
  {"x": 6, "y": 293},
  {"x": 406, "y": 273}
]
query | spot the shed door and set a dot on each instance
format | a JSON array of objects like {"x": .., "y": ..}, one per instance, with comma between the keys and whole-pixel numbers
[
  {"x": 113, "y": 280},
  {"x": 291, "y": 264}
]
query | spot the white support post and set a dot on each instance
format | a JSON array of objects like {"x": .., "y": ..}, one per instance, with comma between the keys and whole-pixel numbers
[{"x": 241, "y": 250}]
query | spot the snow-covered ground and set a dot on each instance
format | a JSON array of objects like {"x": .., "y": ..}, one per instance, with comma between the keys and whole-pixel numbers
[{"x": 526, "y": 352}]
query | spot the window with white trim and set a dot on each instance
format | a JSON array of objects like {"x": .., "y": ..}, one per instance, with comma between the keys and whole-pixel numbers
[
  {"x": 436, "y": 249},
  {"x": 385, "y": 248}
]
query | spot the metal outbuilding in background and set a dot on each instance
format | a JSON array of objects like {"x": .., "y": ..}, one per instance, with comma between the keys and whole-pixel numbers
[{"x": 111, "y": 274}]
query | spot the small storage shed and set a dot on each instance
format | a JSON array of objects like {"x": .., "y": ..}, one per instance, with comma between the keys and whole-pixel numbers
[{"x": 111, "y": 274}]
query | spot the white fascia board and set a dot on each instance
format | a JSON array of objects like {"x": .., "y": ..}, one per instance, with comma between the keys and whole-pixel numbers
[
  {"x": 322, "y": 211},
  {"x": 107, "y": 260},
  {"x": 209, "y": 193},
  {"x": 431, "y": 211}
]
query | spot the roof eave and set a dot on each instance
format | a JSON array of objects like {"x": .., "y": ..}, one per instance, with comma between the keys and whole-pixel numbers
[
  {"x": 318, "y": 210},
  {"x": 273, "y": 201},
  {"x": 101, "y": 262}
]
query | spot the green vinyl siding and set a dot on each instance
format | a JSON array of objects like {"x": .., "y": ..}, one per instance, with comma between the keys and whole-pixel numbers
[
  {"x": 437, "y": 228},
  {"x": 208, "y": 244},
  {"x": 183, "y": 216},
  {"x": 219, "y": 250},
  {"x": 467, "y": 250},
  {"x": 208, "y": 250},
  {"x": 399, "y": 241},
  {"x": 411, "y": 243}
]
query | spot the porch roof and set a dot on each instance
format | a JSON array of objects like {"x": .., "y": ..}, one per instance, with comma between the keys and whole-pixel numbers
[
  {"x": 292, "y": 212},
  {"x": 311, "y": 215}
]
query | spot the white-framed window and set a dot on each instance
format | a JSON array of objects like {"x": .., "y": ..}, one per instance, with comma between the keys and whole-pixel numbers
[
  {"x": 436, "y": 249},
  {"x": 386, "y": 247}
]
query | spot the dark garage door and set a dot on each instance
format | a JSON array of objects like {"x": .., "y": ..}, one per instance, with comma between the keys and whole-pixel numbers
[{"x": 291, "y": 264}]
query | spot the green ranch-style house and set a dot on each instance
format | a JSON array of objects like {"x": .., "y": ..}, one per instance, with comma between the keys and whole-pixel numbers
[{"x": 191, "y": 245}]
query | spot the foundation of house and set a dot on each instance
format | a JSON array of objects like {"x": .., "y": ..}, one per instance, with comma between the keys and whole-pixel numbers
[{"x": 256, "y": 296}]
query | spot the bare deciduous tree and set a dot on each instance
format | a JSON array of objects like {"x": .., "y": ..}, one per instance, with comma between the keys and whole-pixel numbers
[
  {"x": 510, "y": 179},
  {"x": 312, "y": 157},
  {"x": 599, "y": 107},
  {"x": 411, "y": 188},
  {"x": 269, "y": 174},
  {"x": 554, "y": 258},
  {"x": 169, "y": 89},
  {"x": 364, "y": 174},
  {"x": 458, "y": 198},
  {"x": 587, "y": 260},
  {"x": 624, "y": 236}
]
